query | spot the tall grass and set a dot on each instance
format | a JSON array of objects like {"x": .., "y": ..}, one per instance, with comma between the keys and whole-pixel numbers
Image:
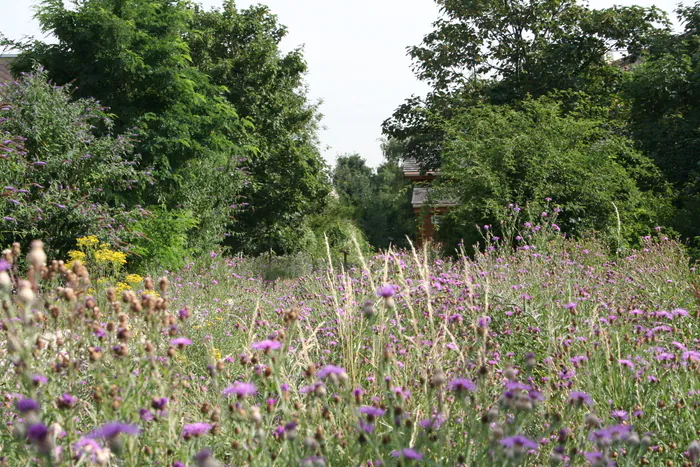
[{"x": 551, "y": 352}]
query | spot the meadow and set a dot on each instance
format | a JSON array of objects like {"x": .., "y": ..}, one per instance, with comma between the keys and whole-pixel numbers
[{"x": 537, "y": 351}]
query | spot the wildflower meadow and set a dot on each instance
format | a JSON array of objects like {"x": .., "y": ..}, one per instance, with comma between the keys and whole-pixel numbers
[{"x": 548, "y": 351}]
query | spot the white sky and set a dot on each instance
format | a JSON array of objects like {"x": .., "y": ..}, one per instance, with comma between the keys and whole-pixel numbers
[{"x": 356, "y": 51}]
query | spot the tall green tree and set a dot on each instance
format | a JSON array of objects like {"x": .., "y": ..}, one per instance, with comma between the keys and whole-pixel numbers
[
  {"x": 482, "y": 51},
  {"x": 664, "y": 97},
  {"x": 240, "y": 51}
]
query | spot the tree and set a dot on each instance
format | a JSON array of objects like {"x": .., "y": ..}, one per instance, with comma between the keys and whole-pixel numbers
[
  {"x": 239, "y": 50},
  {"x": 664, "y": 96},
  {"x": 132, "y": 56},
  {"x": 499, "y": 155},
  {"x": 482, "y": 51},
  {"x": 377, "y": 201}
]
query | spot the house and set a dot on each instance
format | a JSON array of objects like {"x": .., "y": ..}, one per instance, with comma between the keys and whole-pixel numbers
[
  {"x": 5, "y": 60},
  {"x": 428, "y": 211}
]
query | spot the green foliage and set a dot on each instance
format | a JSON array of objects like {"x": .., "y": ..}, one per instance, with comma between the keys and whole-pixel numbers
[
  {"x": 664, "y": 95},
  {"x": 333, "y": 230},
  {"x": 502, "y": 52},
  {"x": 239, "y": 50},
  {"x": 377, "y": 201},
  {"x": 62, "y": 180},
  {"x": 161, "y": 239},
  {"x": 132, "y": 55},
  {"x": 499, "y": 155}
]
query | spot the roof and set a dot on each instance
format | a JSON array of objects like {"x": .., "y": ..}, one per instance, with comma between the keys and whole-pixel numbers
[
  {"x": 412, "y": 168},
  {"x": 421, "y": 196},
  {"x": 5, "y": 74}
]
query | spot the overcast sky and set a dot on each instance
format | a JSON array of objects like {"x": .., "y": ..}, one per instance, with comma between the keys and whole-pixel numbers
[{"x": 356, "y": 51}]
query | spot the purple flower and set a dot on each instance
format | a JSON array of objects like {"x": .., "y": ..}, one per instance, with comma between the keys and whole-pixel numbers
[
  {"x": 40, "y": 379},
  {"x": 462, "y": 385},
  {"x": 180, "y": 341},
  {"x": 27, "y": 405},
  {"x": 329, "y": 370},
  {"x": 4, "y": 265},
  {"x": 386, "y": 291},
  {"x": 433, "y": 423},
  {"x": 240, "y": 389},
  {"x": 37, "y": 433},
  {"x": 113, "y": 429},
  {"x": 408, "y": 453},
  {"x": 266, "y": 345},
  {"x": 483, "y": 321},
  {"x": 195, "y": 429},
  {"x": 366, "y": 427},
  {"x": 202, "y": 456},
  {"x": 620, "y": 415},
  {"x": 89, "y": 448},
  {"x": 372, "y": 411},
  {"x": 39, "y": 163},
  {"x": 66, "y": 401},
  {"x": 519, "y": 442},
  {"x": 580, "y": 398}
]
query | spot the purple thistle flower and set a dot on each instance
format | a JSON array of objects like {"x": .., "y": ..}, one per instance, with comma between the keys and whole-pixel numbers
[
  {"x": 4, "y": 265},
  {"x": 580, "y": 398},
  {"x": 386, "y": 291},
  {"x": 37, "y": 433},
  {"x": 329, "y": 370},
  {"x": 146, "y": 415},
  {"x": 266, "y": 345},
  {"x": 518, "y": 442},
  {"x": 180, "y": 341},
  {"x": 433, "y": 423},
  {"x": 483, "y": 321},
  {"x": 372, "y": 411},
  {"x": 203, "y": 455},
  {"x": 620, "y": 415},
  {"x": 25, "y": 405},
  {"x": 366, "y": 427},
  {"x": 66, "y": 401},
  {"x": 40, "y": 379},
  {"x": 240, "y": 389},
  {"x": 113, "y": 429},
  {"x": 462, "y": 385},
  {"x": 407, "y": 453},
  {"x": 196, "y": 429}
]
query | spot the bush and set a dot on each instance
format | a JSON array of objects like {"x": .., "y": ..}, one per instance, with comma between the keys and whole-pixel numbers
[
  {"x": 60, "y": 180},
  {"x": 500, "y": 155},
  {"x": 161, "y": 239}
]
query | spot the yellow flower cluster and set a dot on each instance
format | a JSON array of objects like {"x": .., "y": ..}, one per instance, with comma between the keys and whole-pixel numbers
[
  {"x": 87, "y": 242},
  {"x": 133, "y": 279},
  {"x": 216, "y": 353},
  {"x": 75, "y": 255},
  {"x": 106, "y": 255},
  {"x": 121, "y": 287}
]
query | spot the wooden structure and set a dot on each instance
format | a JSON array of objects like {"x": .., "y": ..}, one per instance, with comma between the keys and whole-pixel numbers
[{"x": 428, "y": 211}]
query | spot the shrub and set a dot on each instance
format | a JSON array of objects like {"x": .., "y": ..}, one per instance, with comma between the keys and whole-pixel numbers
[{"x": 60, "y": 180}]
